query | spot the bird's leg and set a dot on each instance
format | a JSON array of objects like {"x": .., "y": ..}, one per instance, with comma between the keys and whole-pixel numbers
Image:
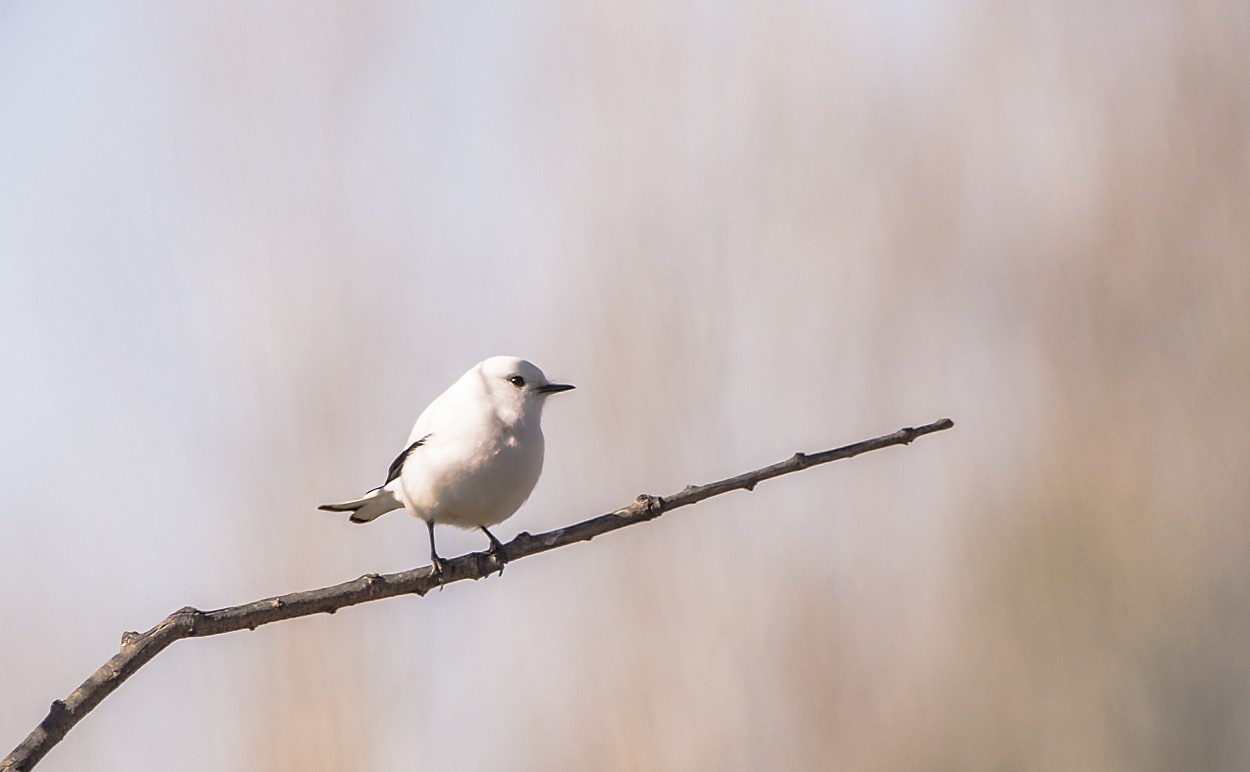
[
  {"x": 496, "y": 549},
  {"x": 495, "y": 545},
  {"x": 436, "y": 563}
]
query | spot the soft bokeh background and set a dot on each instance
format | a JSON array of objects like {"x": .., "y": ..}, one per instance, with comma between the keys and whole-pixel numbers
[{"x": 242, "y": 245}]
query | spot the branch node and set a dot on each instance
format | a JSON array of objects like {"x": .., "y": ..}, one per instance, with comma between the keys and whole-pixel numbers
[
  {"x": 129, "y": 638},
  {"x": 57, "y": 713},
  {"x": 188, "y": 617},
  {"x": 750, "y": 486},
  {"x": 651, "y": 506},
  {"x": 800, "y": 460}
]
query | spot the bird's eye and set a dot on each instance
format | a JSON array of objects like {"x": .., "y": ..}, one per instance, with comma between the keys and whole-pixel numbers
[{"x": 517, "y": 381}]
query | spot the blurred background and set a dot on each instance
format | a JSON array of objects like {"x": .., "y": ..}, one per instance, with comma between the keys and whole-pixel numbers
[{"x": 242, "y": 246}]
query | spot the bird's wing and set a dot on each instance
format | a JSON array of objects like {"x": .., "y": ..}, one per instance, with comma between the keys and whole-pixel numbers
[{"x": 397, "y": 466}]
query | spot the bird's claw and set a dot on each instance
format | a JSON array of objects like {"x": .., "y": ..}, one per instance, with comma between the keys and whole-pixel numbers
[{"x": 495, "y": 553}]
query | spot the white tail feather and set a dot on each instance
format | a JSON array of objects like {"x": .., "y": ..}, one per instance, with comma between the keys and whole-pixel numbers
[{"x": 371, "y": 506}]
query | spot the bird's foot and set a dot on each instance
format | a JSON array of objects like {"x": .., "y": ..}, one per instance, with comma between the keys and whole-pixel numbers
[
  {"x": 496, "y": 554},
  {"x": 436, "y": 565},
  {"x": 496, "y": 551}
]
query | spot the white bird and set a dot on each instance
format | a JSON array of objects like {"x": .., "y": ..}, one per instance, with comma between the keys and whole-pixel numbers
[{"x": 473, "y": 457}]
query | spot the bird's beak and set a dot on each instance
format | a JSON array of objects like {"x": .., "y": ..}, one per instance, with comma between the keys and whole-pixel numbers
[{"x": 552, "y": 388}]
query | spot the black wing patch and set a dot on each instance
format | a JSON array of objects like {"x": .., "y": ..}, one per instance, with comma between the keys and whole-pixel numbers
[{"x": 397, "y": 466}]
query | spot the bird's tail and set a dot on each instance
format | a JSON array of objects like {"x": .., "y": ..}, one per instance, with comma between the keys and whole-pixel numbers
[{"x": 370, "y": 506}]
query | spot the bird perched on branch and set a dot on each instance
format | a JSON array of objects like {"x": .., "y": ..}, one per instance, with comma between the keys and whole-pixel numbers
[{"x": 473, "y": 457}]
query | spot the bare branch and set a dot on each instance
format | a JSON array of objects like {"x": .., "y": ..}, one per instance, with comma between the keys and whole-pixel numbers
[{"x": 138, "y": 649}]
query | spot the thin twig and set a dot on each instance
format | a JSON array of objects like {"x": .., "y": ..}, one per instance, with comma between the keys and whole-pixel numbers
[{"x": 138, "y": 649}]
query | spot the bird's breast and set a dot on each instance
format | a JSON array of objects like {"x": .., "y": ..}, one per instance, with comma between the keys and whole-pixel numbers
[{"x": 473, "y": 481}]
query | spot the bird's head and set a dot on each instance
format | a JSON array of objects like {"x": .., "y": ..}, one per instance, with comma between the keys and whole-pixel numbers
[{"x": 517, "y": 389}]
